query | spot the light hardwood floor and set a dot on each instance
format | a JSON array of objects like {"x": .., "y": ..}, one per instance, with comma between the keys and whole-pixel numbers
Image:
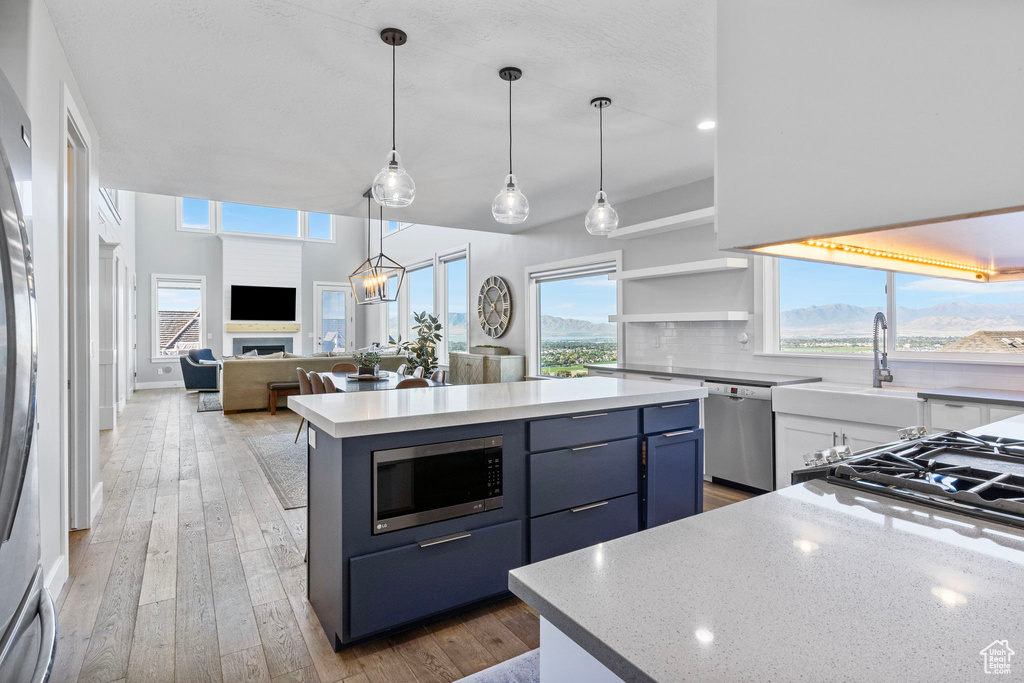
[{"x": 194, "y": 572}]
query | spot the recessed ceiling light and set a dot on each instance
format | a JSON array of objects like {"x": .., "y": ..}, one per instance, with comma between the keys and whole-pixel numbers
[{"x": 706, "y": 125}]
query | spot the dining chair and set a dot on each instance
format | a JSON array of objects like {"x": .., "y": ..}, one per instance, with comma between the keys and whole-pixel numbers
[
  {"x": 318, "y": 383},
  {"x": 305, "y": 387},
  {"x": 412, "y": 383},
  {"x": 419, "y": 372},
  {"x": 403, "y": 368},
  {"x": 329, "y": 387},
  {"x": 439, "y": 376},
  {"x": 339, "y": 368}
]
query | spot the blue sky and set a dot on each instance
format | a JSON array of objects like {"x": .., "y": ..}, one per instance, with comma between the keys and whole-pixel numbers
[
  {"x": 262, "y": 220},
  {"x": 195, "y": 213},
  {"x": 178, "y": 299},
  {"x": 421, "y": 291},
  {"x": 590, "y": 298},
  {"x": 457, "y": 286},
  {"x": 807, "y": 283}
]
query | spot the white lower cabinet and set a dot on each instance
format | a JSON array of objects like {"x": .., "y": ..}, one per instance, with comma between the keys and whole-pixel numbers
[
  {"x": 945, "y": 416},
  {"x": 997, "y": 413},
  {"x": 796, "y": 436}
]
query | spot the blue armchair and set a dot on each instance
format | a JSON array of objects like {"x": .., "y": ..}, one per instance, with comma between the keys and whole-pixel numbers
[{"x": 203, "y": 377}]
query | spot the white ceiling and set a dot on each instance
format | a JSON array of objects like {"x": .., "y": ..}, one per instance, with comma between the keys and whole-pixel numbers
[{"x": 287, "y": 102}]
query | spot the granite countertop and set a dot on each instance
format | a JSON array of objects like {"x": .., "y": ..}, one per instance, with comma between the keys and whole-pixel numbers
[
  {"x": 812, "y": 582},
  {"x": 759, "y": 379},
  {"x": 1002, "y": 397},
  {"x": 401, "y": 410}
]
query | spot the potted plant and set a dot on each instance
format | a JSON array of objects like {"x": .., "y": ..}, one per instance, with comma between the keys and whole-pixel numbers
[
  {"x": 368, "y": 362},
  {"x": 490, "y": 350},
  {"x": 421, "y": 352}
]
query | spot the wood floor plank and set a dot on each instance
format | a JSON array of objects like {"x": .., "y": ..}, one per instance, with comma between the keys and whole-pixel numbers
[
  {"x": 261, "y": 577},
  {"x": 461, "y": 646},
  {"x": 196, "y": 653},
  {"x": 248, "y": 534},
  {"x": 381, "y": 664},
  {"x": 218, "y": 521},
  {"x": 426, "y": 659},
  {"x": 358, "y": 678},
  {"x": 110, "y": 642},
  {"x": 282, "y": 640},
  {"x": 282, "y": 547},
  {"x": 493, "y": 635},
  {"x": 152, "y": 657},
  {"x": 159, "y": 579},
  {"x": 523, "y": 622},
  {"x": 307, "y": 675},
  {"x": 245, "y": 666},
  {"x": 231, "y": 597},
  {"x": 330, "y": 665}
]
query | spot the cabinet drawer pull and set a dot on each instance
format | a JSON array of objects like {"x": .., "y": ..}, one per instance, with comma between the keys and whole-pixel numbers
[
  {"x": 688, "y": 431},
  {"x": 673, "y": 405},
  {"x": 444, "y": 539},
  {"x": 660, "y": 379},
  {"x": 954, "y": 405},
  {"x": 589, "y": 507},
  {"x": 584, "y": 417},
  {"x": 583, "y": 448}
]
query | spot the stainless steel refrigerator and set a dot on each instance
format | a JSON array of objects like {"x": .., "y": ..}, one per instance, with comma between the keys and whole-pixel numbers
[{"x": 27, "y": 620}]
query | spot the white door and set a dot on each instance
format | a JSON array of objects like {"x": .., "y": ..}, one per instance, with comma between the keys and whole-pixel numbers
[
  {"x": 858, "y": 437},
  {"x": 334, "y": 317},
  {"x": 795, "y": 437}
]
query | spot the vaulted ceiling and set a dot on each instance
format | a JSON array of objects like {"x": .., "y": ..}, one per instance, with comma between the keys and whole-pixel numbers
[{"x": 287, "y": 102}]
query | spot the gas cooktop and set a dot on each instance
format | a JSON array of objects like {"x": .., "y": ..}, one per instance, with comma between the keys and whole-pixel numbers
[{"x": 980, "y": 475}]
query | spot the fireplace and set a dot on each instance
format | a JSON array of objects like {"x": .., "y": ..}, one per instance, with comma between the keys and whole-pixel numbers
[
  {"x": 262, "y": 349},
  {"x": 263, "y": 345}
]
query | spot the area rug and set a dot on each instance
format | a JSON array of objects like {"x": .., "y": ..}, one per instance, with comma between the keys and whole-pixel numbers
[
  {"x": 284, "y": 463},
  {"x": 522, "y": 669},
  {"x": 209, "y": 401}
]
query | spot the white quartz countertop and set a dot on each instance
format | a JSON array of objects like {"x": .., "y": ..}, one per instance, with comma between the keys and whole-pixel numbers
[
  {"x": 400, "y": 410},
  {"x": 811, "y": 583}
]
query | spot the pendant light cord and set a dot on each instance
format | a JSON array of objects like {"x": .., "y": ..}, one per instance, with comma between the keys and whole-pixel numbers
[
  {"x": 510, "y": 126},
  {"x": 381, "y": 230},
  {"x": 600, "y": 114},
  {"x": 393, "y": 72},
  {"x": 369, "y": 219}
]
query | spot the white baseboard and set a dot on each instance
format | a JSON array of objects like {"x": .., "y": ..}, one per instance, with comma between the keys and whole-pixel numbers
[
  {"x": 106, "y": 417},
  {"x": 171, "y": 384},
  {"x": 95, "y": 502},
  {"x": 57, "y": 576}
]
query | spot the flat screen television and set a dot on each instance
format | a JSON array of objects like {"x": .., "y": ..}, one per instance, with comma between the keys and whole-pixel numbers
[{"x": 262, "y": 303}]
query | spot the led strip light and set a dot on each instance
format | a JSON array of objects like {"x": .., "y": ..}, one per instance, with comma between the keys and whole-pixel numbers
[{"x": 898, "y": 257}]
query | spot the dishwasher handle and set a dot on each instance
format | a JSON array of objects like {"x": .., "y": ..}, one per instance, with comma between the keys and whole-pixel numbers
[{"x": 738, "y": 391}]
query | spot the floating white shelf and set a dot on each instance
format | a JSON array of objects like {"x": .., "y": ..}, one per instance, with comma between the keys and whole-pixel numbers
[
  {"x": 680, "y": 221},
  {"x": 690, "y": 317},
  {"x": 692, "y": 268}
]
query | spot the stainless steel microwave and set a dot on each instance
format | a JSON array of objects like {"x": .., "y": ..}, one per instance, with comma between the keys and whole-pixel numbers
[{"x": 434, "y": 482}]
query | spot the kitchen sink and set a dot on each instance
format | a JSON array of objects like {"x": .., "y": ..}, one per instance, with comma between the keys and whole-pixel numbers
[{"x": 889, "y": 406}]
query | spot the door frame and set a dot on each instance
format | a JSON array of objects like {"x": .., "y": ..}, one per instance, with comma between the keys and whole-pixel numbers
[
  {"x": 74, "y": 218},
  {"x": 320, "y": 286}
]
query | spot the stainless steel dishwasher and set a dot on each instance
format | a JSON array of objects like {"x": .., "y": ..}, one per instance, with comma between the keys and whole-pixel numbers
[{"x": 739, "y": 435}]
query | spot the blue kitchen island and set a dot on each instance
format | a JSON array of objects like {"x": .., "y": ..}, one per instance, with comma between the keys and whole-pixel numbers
[{"x": 421, "y": 501}]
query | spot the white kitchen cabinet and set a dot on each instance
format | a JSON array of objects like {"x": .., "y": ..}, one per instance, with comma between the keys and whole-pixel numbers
[
  {"x": 594, "y": 372},
  {"x": 943, "y": 416},
  {"x": 796, "y": 436},
  {"x": 997, "y": 413}
]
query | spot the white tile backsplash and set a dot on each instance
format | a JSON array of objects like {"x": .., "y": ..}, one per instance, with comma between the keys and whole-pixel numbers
[{"x": 713, "y": 345}]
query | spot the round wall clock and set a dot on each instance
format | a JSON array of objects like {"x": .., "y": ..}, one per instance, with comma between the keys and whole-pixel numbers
[{"x": 494, "y": 306}]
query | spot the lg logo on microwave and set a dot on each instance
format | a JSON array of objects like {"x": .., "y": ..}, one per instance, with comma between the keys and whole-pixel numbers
[{"x": 381, "y": 526}]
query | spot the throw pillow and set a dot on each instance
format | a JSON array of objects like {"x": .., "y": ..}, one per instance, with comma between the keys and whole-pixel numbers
[
  {"x": 291, "y": 355},
  {"x": 273, "y": 356},
  {"x": 320, "y": 354}
]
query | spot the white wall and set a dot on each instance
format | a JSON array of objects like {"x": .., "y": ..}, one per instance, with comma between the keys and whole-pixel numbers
[
  {"x": 161, "y": 248},
  {"x": 33, "y": 59},
  {"x": 839, "y": 116}
]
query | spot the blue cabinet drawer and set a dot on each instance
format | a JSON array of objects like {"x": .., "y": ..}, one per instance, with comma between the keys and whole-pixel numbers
[
  {"x": 583, "y": 526},
  {"x": 577, "y": 430},
  {"x": 575, "y": 476},
  {"x": 672, "y": 416},
  {"x": 395, "y": 586}
]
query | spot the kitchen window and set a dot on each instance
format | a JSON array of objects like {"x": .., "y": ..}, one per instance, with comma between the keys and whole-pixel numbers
[
  {"x": 568, "y": 325},
  {"x": 178, "y": 324},
  {"x": 825, "y": 308}
]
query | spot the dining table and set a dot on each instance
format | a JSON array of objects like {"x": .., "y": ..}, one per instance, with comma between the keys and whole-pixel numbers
[{"x": 344, "y": 383}]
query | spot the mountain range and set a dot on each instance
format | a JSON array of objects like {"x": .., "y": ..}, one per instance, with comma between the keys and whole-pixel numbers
[
  {"x": 941, "y": 320},
  {"x": 552, "y": 327}
]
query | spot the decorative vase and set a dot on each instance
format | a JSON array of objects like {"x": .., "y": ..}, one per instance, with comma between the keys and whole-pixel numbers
[{"x": 369, "y": 370}]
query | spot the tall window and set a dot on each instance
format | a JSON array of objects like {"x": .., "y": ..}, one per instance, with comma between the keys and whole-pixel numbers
[
  {"x": 571, "y": 306},
  {"x": 259, "y": 220},
  {"x": 421, "y": 292},
  {"x": 392, "y": 311},
  {"x": 178, "y": 314},
  {"x": 195, "y": 214},
  {"x": 455, "y": 305},
  {"x": 827, "y": 308}
]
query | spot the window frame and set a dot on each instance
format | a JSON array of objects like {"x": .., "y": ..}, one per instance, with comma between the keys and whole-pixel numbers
[
  {"x": 442, "y": 260},
  {"x": 216, "y": 224},
  {"x": 574, "y": 267},
  {"x": 154, "y": 326},
  {"x": 768, "y": 296},
  {"x": 405, "y": 314}
]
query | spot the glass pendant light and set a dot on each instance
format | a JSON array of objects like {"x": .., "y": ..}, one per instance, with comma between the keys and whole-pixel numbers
[
  {"x": 510, "y": 206},
  {"x": 393, "y": 186},
  {"x": 602, "y": 218},
  {"x": 370, "y": 280}
]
